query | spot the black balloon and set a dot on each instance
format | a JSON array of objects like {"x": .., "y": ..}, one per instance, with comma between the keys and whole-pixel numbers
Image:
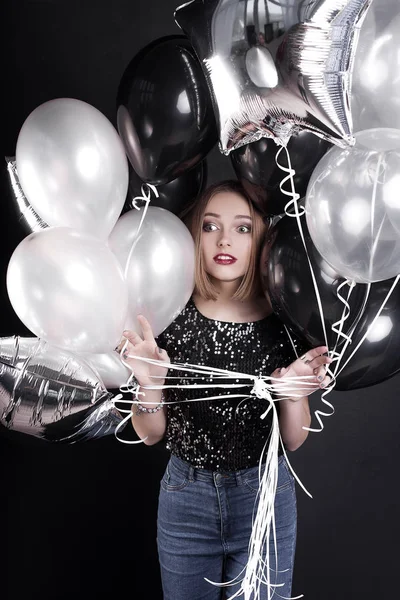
[
  {"x": 286, "y": 275},
  {"x": 255, "y": 166},
  {"x": 174, "y": 196},
  {"x": 378, "y": 357},
  {"x": 164, "y": 112}
]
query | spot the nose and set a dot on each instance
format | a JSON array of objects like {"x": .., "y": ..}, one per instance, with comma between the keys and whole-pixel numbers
[{"x": 224, "y": 240}]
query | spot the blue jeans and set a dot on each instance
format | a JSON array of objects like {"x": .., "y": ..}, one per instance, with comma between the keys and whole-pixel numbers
[{"x": 204, "y": 526}]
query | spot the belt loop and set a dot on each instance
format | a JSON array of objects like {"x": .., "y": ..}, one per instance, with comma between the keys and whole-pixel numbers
[
  {"x": 239, "y": 477},
  {"x": 191, "y": 473}
]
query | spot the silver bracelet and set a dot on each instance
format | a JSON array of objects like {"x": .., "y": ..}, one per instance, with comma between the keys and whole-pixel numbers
[
  {"x": 143, "y": 409},
  {"x": 140, "y": 409}
]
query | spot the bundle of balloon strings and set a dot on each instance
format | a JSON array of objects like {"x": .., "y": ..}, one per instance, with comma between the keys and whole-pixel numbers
[{"x": 259, "y": 570}]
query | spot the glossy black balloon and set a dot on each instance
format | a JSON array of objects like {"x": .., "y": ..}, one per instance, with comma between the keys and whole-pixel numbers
[
  {"x": 286, "y": 275},
  {"x": 378, "y": 357},
  {"x": 255, "y": 166},
  {"x": 174, "y": 196},
  {"x": 164, "y": 112}
]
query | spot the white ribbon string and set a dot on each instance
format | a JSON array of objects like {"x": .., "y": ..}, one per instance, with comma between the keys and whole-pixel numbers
[
  {"x": 337, "y": 327},
  {"x": 259, "y": 570},
  {"x": 371, "y": 325},
  {"x": 340, "y": 354},
  {"x": 147, "y": 189},
  {"x": 293, "y": 204}
]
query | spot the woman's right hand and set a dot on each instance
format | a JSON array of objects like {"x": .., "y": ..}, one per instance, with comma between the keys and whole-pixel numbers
[{"x": 145, "y": 347}]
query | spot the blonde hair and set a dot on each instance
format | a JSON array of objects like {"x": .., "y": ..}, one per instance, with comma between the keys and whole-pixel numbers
[{"x": 250, "y": 285}]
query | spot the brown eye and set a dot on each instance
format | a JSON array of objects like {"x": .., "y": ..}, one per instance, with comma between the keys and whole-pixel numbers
[{"x": 244, "y": 229}]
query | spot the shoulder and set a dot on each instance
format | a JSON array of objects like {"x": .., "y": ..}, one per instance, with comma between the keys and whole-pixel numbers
[
  {"x": 276, "y": 332},
  {"x": 184, "y": 322}
]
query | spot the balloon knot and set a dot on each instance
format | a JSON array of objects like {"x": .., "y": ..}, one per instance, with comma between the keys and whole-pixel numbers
[{"x": 261, "y": 389}]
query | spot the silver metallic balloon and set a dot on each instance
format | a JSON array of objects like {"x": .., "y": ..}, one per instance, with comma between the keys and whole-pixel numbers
[
  {"x": 68, "y": 288},
  {"x": 52, "y": 394},
  {"x": 113, "y": 373},
  {"x": 353, "y": 207},
  {"x": 72, "y": 166},
  {"x": 159, "y": 270},
  {"x": 375, "y": 98},
  {"x": 27, "y": 216},
  {"x": 277, "y": 67}
]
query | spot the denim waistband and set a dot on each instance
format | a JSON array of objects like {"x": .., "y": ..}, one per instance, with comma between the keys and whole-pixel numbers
[{"x": 193, "y": 473}]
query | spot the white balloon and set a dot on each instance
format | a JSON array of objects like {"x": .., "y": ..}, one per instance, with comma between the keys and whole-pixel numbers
[
  {"x": 72, "y": 166},
  {"x": 353, "y": 207},
  {"x": 375, "y": 95},
  {"x": 68, "y": 288},
  {"x": 113, "y": 373},
  {"x": 159, "y": 270}
]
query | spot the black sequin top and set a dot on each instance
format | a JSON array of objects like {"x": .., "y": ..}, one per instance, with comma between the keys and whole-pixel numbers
[{"x": 212, "y": 434}]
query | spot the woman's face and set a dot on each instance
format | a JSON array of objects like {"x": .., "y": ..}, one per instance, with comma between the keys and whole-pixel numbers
[{"x": 226, "y": 237}]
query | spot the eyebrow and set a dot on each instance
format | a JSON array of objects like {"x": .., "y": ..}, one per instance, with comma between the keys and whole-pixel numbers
[{"x": 236, "y": 217}]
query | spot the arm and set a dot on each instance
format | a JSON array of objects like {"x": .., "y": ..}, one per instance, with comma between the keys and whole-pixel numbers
[
  {"x": 150, "y": 427},
  {"x": 294, "y": 415},
  {"x": 294, "y": 406}
]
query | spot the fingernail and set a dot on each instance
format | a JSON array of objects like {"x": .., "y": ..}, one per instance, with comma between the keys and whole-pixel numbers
[{"x": 320, "y": 378}]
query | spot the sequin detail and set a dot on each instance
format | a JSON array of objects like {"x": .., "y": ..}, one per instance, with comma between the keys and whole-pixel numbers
[{"x": 223, "y": 434}]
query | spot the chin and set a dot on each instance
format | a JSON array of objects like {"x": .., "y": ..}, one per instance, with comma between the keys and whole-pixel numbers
[{"x": 228, "y": 278}]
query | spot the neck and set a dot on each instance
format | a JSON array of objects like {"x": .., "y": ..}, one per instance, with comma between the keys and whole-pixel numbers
[
  {"x": 226, "y": 290},
  {"x": 227, "y": 308}
]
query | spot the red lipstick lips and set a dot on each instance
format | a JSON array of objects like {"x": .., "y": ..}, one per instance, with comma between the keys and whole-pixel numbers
[{"x": 224, "y": 259}]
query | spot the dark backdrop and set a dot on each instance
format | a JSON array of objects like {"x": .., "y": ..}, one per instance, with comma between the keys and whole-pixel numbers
[{"x": 79, "y": 521}]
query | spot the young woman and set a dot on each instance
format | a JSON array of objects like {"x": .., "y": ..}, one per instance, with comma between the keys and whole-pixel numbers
[{"x": 209, "y": 489}]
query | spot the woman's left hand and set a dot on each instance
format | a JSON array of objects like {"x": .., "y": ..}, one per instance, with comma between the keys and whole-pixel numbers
[{"x": 310, "y": 371}]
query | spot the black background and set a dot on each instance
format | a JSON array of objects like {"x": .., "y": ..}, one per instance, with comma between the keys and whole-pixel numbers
[{"x": 80, "y": 521}]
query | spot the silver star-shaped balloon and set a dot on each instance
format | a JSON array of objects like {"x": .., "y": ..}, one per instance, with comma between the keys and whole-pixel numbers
[
  {"x": 52, "y": 394},
  {"x": 276, "y": 67}
]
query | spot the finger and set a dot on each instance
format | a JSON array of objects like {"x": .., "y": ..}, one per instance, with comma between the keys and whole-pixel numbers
[
  {"x": 314, "y": 362},
  {"x": 163, "y": 355},
  {"x": 319, "y": 361},
  {"x": 320, "y": 373},
  {"x": 276, "y": 374},
  {"x": 314, "y": 352},
  {"x": 133, "y": 337},
  {"x": 157, "y": 352},
  {"x": 325, "y": 382},
  {"x": 125, "y": 350},
  {"x": 146, "y": 328}
]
